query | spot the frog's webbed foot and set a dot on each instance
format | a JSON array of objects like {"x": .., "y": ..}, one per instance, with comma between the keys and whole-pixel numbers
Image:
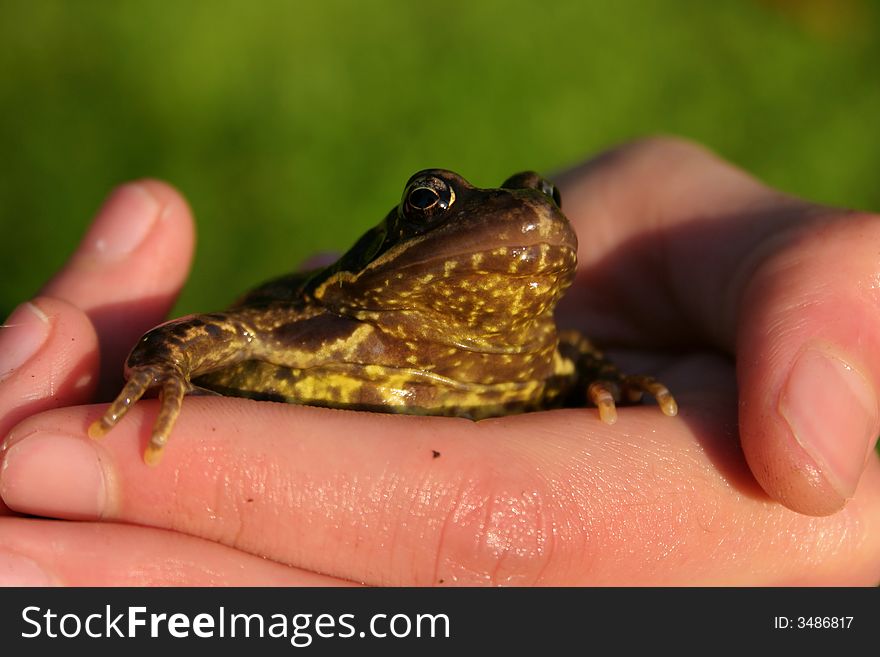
[
  {"x": 605, "y": 394},
  {"x": 172, "y": 388},
  {"x": 606, "y": 384}
]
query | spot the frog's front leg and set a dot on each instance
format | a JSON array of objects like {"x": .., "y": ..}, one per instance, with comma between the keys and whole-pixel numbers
[
  {"x": 167, "y": 358},
  {"x": 605, "y": 384}
]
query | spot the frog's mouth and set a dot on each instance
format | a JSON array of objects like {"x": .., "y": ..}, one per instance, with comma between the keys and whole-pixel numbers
[{"x": 516, "y": 259}]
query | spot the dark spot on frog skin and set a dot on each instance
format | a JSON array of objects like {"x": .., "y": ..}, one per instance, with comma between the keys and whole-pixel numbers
[
  {"x": 435, "y": 453},
  {"x": 181, "y": 330},
  {"x": 284, "y": 374},
  {"x": 213, "y": 330},
  {"x": 322, "y": 329}
]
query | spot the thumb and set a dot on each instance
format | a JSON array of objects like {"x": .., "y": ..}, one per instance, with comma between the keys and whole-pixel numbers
[{"x": 808, "y": 352}]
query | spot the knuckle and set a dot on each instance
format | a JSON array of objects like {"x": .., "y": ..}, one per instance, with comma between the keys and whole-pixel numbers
[{"x": 665, "y": 146}]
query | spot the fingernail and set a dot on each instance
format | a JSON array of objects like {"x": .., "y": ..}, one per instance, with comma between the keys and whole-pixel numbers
[
  {"x": 832, "y": 412},
  {"x": 21, "y": 336},
  {"x": 18, "y": 570},
  {"x": 54, "y": 475},
  {"x": 122, "y": 223}
]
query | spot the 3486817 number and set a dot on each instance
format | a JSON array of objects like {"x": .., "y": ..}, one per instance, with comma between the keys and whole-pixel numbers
[
  {"x": 812, "y": 622},
  {"x": 824, "y": 622}
]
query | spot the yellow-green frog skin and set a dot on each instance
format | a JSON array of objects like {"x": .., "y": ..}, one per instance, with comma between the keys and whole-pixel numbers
[{"x": 444, "y": 308}]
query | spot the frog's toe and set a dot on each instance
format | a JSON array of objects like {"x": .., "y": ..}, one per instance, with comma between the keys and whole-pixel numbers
[
  {"x": 138, "y": 383},
  {"x": 636, "y": 385},
  {"x": 172, "y": 384},
  {"x": 601, "y": 393},
  {"x": 171, "y": 397},
  {"x": 667, "y": 403}
]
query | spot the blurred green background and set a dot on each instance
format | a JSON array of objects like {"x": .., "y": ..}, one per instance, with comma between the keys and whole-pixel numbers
[{"x": 292, "y": 126}]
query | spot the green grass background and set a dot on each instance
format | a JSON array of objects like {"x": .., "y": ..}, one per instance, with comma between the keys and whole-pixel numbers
[{"x": 292, "y": 126}]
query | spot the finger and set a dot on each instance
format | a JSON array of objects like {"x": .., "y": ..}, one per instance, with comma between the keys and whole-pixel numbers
[
  {"x": 704, "y": 252},
  {"x": 48, "y": 358},
  {"x": 51, "y": 553},
  {"x": 128, "y": 269},
  {"x": 544, "y": 498},
  {"x": 812, "y": 341}
]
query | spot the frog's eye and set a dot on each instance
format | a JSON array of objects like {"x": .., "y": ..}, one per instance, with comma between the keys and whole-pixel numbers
[
  {"x": 426, "y": 198},
  {"x": 531, "y": 180},
  {"x": 423, "y": 198}
]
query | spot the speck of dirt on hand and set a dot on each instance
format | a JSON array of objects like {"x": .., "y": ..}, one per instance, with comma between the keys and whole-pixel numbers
[{"x": 435, "y": 453}]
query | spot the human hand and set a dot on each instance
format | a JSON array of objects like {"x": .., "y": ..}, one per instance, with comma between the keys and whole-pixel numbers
[
  {"x": 550, "y": 498},
  {"x": 55, "y": 352}
]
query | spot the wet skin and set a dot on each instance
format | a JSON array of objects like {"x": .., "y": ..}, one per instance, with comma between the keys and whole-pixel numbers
[{"x": 444, "y": 308}]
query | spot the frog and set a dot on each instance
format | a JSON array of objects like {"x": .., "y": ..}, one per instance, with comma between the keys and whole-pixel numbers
[{"x": 446, "y": 307}]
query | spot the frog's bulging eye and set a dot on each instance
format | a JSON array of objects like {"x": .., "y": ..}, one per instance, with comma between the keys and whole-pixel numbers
[
  {"x": 532, "y": 180},
  {"x": 426, "y": 198},
  {"x": 423, "y": 198}
]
